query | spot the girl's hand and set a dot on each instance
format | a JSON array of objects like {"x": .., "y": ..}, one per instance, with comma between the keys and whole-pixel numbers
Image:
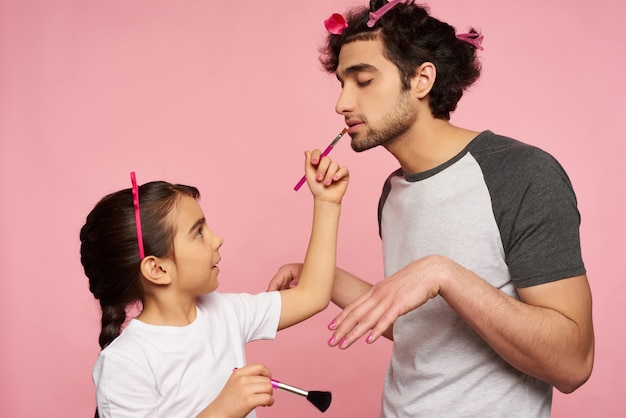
[
  {"x": 326, "y": 179},
  {"x": 246, "y": 389}
]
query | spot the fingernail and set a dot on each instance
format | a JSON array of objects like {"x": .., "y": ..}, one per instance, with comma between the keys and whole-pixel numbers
[
  {"x": 314, "y": 161},
  {"x": 342, "y": 342},
  {"x": 332, "y": 325},
  {"x": 335, "y": 177},
  {"x": 332, "y": 340},
  {"x": 327, "y": 182},
  {"x": 369, "y": 338},
  {"x": 319, "y": 176}
]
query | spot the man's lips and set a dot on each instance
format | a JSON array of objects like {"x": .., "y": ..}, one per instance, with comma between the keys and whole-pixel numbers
[{"x": 353, "y": 125}]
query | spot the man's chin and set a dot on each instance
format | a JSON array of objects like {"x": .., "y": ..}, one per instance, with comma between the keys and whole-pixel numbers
[{"x": 360, "y": 146}]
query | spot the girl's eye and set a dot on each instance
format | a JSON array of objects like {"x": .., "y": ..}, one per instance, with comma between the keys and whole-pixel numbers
[
  {"x": 364, "y": 83},
  {"x": 199, "y": 232}
]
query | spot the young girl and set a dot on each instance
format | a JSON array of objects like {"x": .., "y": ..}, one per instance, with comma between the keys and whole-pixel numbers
[{"x": 152, "y": 244}]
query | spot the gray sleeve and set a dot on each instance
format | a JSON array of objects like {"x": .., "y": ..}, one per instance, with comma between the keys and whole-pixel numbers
[{"x": 536, "y": 211}]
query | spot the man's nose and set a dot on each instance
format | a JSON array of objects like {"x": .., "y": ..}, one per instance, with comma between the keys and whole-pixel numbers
[{"x": 345, "y": 103}]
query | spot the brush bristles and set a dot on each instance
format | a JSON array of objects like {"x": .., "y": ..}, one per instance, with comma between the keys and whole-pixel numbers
[{"x": 321, "y": 400}]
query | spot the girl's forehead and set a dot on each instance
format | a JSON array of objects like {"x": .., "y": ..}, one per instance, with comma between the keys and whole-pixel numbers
[{"x": 186, "y": 213}]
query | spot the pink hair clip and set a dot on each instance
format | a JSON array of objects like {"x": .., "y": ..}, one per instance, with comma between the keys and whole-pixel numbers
[
  {"x": 137, "y": 216},
  {"x": 335, "y": 24},
  {"x": 473, "y": 39},
  {"x": 375, "y": 16}
]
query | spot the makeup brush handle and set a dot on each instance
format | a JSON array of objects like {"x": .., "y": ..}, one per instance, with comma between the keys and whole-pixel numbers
[
  {"x": 303, "y": 179},
  {"x": 289, "y": 388}
]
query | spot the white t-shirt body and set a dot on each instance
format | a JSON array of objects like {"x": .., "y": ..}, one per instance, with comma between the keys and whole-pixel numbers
[{"x": 167, "y": 371}]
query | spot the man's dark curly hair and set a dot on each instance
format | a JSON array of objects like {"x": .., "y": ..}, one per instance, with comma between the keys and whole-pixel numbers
[{"x": 411, "y": 37}]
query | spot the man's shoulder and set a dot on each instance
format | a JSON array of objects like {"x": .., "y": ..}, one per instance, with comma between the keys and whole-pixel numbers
[{"x": 504, "y": 153}]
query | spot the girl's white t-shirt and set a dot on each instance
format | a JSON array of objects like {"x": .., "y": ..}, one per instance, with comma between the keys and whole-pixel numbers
[{"x": 166, "y": 371}]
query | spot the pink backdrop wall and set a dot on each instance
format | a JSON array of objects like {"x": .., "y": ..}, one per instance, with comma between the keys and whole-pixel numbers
[{"x": 226, "y": 96}]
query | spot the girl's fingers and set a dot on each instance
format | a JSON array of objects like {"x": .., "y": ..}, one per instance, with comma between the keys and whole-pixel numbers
[
  {"x": 316, "y": 156},
  {"x": 331, "y": 170}
]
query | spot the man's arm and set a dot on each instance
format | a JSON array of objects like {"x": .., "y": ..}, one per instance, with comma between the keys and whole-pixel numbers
[
  {"x": 548, "y": 334},
  {"x": 346, "y": 288}
]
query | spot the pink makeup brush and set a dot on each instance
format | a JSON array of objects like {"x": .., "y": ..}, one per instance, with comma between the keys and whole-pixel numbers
[{"x": 326, "y": 151}]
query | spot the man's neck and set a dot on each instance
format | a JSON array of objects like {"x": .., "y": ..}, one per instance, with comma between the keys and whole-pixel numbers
[{"x": 429, "y": 144}]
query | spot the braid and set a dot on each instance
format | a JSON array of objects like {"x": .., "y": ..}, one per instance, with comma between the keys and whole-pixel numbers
[{"x": 113, "y": 317}]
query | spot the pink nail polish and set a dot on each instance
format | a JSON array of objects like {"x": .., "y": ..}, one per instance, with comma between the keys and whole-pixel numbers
[
  {"x": 369, "y": 338},
  {"x": 332, "y": 340},
  {"x": 314, "y": 161},
  {"x": 342, "y": 342},
  {"x": 332, "y": 325}
]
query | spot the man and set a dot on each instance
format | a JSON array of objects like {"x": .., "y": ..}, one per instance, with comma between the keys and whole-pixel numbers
[{"x": 485, "y": 296}]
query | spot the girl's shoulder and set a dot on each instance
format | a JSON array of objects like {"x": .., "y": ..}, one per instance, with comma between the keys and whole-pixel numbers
[{"x": 237, "y": 301}]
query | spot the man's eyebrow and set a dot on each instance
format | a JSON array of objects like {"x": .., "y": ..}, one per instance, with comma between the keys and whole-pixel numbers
[
  {"x": 357, "y": 68},
  {"x": 196, "y": 224}
]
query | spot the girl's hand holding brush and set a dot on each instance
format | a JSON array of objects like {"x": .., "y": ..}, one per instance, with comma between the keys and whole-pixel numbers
[
  {"x": 247, "y": 388},
  {"x": 326, "y": 179},
  {"x": 328, "y": 149},
  {"x": 320, "y": 399}
]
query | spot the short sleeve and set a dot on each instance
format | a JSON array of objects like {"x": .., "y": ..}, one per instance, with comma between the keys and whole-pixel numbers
[
  {"x": 257, "y": 315},
  {"x": 543, "y": 242}
]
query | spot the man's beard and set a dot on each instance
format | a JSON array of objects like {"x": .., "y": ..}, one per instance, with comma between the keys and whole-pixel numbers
[{"x": 393, "y": 125}]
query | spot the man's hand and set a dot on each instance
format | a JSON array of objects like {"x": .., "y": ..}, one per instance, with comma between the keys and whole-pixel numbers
[
  {"x": 286, "y": 277},
  {"x": 377, "y": 309}
]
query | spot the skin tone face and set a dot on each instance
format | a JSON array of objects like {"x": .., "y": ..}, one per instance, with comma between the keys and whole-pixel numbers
[
  {"x": 376, "y": 109},
  {"x": 196, "y": 248}
]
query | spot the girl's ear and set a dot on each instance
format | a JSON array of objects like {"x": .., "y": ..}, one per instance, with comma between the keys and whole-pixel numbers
[
  {"x": 424, "y": 79},
  {"x": 155, "y": 270}
]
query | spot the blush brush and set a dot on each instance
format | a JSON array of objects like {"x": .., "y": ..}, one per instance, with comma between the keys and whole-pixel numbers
[{"x": 321, "y": 400}]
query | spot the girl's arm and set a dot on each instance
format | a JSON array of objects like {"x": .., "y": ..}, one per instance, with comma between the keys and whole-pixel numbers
[{"x": 327, "y": 182}]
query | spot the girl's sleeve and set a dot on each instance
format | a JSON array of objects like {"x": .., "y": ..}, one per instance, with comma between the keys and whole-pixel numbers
[{"x": 258, "y": 315}]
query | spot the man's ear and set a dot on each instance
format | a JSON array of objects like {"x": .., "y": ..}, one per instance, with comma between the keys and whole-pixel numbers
[
  {"x": 424, "y": 79},
  {"x": 155, "y": 270}
]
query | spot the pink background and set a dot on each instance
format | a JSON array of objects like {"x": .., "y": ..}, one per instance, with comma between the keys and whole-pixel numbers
[{"x": 226, "y": 96}]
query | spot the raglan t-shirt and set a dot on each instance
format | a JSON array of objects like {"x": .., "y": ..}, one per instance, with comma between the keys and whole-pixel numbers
[
  {"x": 506, "y": 211},
  {"x": 166, "y": 371}
]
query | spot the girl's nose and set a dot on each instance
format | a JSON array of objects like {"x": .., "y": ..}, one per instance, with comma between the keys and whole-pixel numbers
[{"x": 216, "y": 241}]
